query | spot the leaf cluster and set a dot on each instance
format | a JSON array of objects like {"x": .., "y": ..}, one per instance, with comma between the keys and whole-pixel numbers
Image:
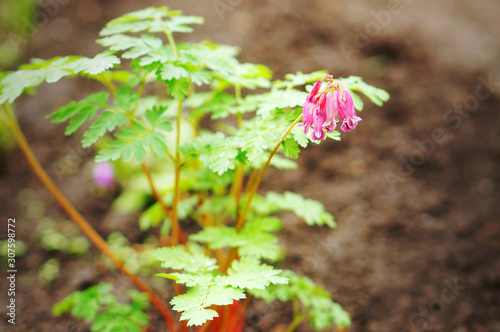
[
  {"x": 315, "y": 301},
  {"x": 311, "y": 211},
  {"x": 96, "y": 304},
  {"x": 207, "y": 287}
]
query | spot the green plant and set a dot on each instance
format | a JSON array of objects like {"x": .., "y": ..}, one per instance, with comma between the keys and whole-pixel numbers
[
  {"x": 195, "y": 174},
  {"x": 96, "y": 304}
]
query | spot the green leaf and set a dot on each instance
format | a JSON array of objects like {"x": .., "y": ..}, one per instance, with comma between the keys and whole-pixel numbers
[
  {"x": 79, "y": 111},
  {"x": 136, "y": 46},
  {"x": 136, "y": 142},
  {"x": 221, "y": 105},
  {"x": 299, "y": 78},
  {"x": 158, "y": 122},
  {"x": 107, "y": 121},
  {"x": 335, "y": 135},
  {"x": 376, "y": 95},
  {"x": 281, "y": 99},
  {"x": 192, "y": 280},
  {"x": 200, "y": 77},
  {"x": 169, "y": 71},
  {"x": 221, "y": 159},
  {"x": 178, "y": 258},
  {"x": 248, "y": 75},
  {"x": 291, "y": 148},
  {"x": 315, "y": 300},
  {"x": 262, "y": 224},
  {"x": 299, "y": 136},
  {"x": 154, "y": 114},
  {"x": 249, "y": 273},
  {"x": 85, "y": 304},
  {"x": 93, "y": 66},
  {"x": 139, "y": 299},
  {"x": 218, "y": 58},
  {"x": 152, "y": 217},
  {"x": 50, "y": 71},
  {"x": 357, "y": 101},
  {"x": 254, "y": 239},
  {"x": 96, "y": 304},
  {"x": 195, "y": 302},
  {"x": 151, "y": 20},
  {"x": 310, "y": 210},
  {"x": 218, "y": 237},
  {"x": 178, "y": 88},
  {"x": 125, "y": 99},
  {"x": 168, "y": 276}
]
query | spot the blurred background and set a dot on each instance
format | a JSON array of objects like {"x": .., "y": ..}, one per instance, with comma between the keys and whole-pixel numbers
[{"x": 414, "y": 189}]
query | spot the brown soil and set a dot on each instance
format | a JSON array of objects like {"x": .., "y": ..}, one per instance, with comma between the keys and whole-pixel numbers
[{"x": 415, "y": 188}]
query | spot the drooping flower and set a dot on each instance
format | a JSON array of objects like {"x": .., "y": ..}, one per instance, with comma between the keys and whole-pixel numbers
[
  {"x": 104, "y": 175},
  {"x": 347, "y": 111},
  {"x": 324, "y": 105}
]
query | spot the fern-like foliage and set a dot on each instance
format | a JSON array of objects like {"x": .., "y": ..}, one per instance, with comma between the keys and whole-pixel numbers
[
  {"x": 207, "y": 287},
  {"x": 311, "y": 211},
  {"x": 316, "y": 303},
  {"x": 98, "y": 305},
  {"x": 50, "y": 71}
]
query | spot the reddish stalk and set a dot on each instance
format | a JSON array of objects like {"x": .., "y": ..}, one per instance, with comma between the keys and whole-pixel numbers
[
  {"x": 86, "y": 228},
  {"x": 159, "y": 199}
]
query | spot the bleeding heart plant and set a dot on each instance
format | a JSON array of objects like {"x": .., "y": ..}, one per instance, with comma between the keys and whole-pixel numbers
[{"x": 147, "y": 130}]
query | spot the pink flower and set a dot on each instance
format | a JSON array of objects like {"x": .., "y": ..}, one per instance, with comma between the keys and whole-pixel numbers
[
  {"x": 323, "y": 106},
  {"x": 347, "y": 111},
  {"x": 104, "y": 175}
]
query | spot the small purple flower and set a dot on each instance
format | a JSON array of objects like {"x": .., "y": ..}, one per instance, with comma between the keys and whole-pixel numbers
[
  {"x": 322, "y": 106},
  {"x": 104, "y": 175}
]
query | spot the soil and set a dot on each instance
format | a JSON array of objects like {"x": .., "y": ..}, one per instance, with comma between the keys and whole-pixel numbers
[{"x": 414, "y": 189}]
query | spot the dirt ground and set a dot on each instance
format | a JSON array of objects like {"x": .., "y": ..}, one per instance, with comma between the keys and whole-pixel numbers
[{"x": 414, "y": 189}]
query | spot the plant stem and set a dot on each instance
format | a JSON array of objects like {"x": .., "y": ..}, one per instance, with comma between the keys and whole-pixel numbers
[
  {"x": 241, "y": 219},
  {"x": 240, "y": 172},
  {"x": 171, "y": 41},
  {"x": 297, "y": 320},
  {"x": 237, "y": 185},
  {"x": 298, "y": 315},
  {"x": 87, "y": 229},
  {"x": 107, "y": 83},
  {"x": 175, "y": 205},
  {"x": 159, "y": 199},
  {"x": 237, "y": 95}
]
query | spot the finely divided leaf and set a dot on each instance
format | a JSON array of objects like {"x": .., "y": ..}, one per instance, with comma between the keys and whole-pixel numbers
[
  {"x": 355, "y": 83},
  {"x": 178, "y": 88},
  {"x": 136, "y": 142},
  {"x": 93, "y": 66},
  {"x": 169, "y": 71},
  {"x": 79, "y": 111},
  {"x": 107, "y": 121},
  {"x": 151, "y": 20},
  {"x": 310, "y": 210},
  {"x": 125, "y": 99},
  {"x": 50, "y": 71},
  {"x": 178, "y": 258},
  {"x": 249, "y": 273},
  {"x": 195, "y": 302},
  {"x": 314, "y": 299},
  {"x": 280, "y": 99},
  {"x": 291, "y": 148},
  {"x": 246, "y": 75},
  {"x": 253, "y": 240},
  {"x": 299, "y": 78}
]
